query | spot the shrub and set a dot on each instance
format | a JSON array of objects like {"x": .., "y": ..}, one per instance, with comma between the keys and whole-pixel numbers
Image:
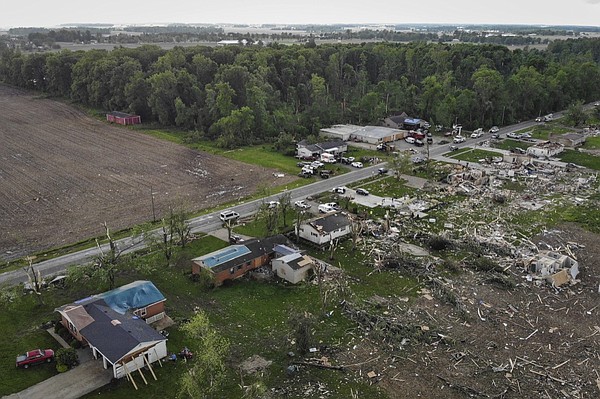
[
  {"x": 61, "y": 368},
  {"x": 67, "y": 357},
  {"x": 438, "y": 243},
  {"x": 75, "y": 344}
]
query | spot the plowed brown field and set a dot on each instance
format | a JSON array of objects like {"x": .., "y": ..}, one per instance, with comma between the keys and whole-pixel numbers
[{"x": 62, "y": 174}]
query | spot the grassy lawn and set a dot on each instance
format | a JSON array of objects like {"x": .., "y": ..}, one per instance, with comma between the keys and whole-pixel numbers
[
  {"x": 508, "y": 144},
  {"x": 592, "y": 143},
  {"x": 474, "y": 155},
  {"x": 544, "y": 131},
  {"x": 580, "y": 158}
]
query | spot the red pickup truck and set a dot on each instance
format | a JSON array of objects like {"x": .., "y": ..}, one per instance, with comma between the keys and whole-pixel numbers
[{"x": 35, "y": 357}]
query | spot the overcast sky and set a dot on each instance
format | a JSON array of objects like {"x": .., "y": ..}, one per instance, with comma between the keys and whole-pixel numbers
[{"x": 51, "y": 13}]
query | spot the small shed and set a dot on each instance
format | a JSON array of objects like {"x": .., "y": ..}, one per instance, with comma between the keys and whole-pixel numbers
[
  {"x": 123, "y": 119},
  {"x": 293, "y": 267}
]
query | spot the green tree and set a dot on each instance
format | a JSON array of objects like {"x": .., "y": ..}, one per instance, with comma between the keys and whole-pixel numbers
[
  {"x": 576, "y": 114},
  {"x": 210, "y": 348}
]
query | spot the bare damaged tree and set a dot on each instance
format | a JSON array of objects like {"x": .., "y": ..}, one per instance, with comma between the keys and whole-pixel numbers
[
  {"x": 270, "y": 215},
  {"x": 333, "y": 244},
  {"x": 180, "y": 227},
  {"x": 301, "y": 216},
  {"x": 105, "y": 265},
  {"x": 229, "y": 224},
  {"x": 356, "y": 229},
  {"x": 35, "y": 279},
  {"x": 167, "y": 238},
  {"x": 285, "y": 204}
]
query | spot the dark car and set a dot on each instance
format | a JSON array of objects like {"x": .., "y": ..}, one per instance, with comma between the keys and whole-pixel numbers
[
  {"x": 35, "y": 357},
  {"x": 305, "y": 175},
  {"x": 361, "y": 191},
  {"x": 382, "y": 171}
]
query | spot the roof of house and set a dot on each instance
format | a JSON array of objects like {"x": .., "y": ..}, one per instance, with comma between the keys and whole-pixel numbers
[
  {"x": 285, "y": 250},
  {"x": 297, "y": 261},
  {"x": 327, "y": 145},
  {"x": 135, "y": 295},
  {"x": 114, "y": 334},
  {"x": 120, "y": 114},
  {"x": 329, "y": 223},
  {"x": 223, "y": 259}
]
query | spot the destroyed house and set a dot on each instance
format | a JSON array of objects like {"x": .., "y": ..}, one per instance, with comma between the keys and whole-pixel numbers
[
  {"x": 305, "y": 150},
  {"x": 545, "y": 149},
  {"x": 556, "y": 268},
  {"x": 112, "y": 331},
  {"x": 236, "y": 260},
  {"x": 570, "y": 139},
  {"x": 322, "y": 230},
  {"x": 293, "y": 267}
]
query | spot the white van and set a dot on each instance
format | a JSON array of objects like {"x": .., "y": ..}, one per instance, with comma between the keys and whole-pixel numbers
[
  {"x": 228, "y": 215},
  {"x": 410, "y": 140}
]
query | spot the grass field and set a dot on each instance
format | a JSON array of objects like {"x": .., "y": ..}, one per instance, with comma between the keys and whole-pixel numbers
[{"x": 580, "y": 158}]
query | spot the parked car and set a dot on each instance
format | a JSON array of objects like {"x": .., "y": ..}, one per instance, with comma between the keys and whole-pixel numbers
[
  {"x": 339, "y": 190},
  {"x": 512, "y": 135},
  {"x": 305, "y": 175},
  {"x": 324, "y": 208},
  {"x": 382, "y": 171},
  {"x": 334, "y": 205},
  {"x": 494, "y": 129},
  {"x": 539, "y": 119},
  {"x": 362, "y": 191},
  {"x": 356, "y": 164},
  {"x": 419, "y": 143},
  {"x": 317, "y": 164},
  {"x": 302, "y": 204},
  {"x": 495, "y": 136},
  {"x": 418, "y": 160},
  {"x": 597, "y": 104},
  {"x": 410, "y": 140},
  {"x": 234, "y": 239},
  {"x": 272, "y": 204},
  {"x": 458, "y": 139},
  {"x": 344, "y": 160},
  {"x": 33, "y": 357},
  {"x": 453, "y": 148},
  {"x": 351, "y": 159}
]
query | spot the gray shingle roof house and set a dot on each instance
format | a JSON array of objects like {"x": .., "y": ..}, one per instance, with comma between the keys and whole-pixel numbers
[
  {"x": 236, "y": 260},
  {"x": 110, "y": 324},
  {"x": 322, "y": 230}
]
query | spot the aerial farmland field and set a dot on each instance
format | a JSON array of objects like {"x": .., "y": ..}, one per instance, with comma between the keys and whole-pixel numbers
[{"x": 62, "y": 174}]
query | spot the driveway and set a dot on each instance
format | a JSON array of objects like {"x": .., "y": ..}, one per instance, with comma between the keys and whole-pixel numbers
[{"x": 72, "y": 384}]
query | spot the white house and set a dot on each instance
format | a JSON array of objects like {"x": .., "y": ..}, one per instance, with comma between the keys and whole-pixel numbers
[
  {"x": 293, "y": 267},
  {"x": 322, "y": 230},
  {"x": 114, "y": 329},
  {"x": 545, "y": 149}
]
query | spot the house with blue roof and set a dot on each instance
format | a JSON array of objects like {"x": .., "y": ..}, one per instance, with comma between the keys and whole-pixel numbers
[
  {"x": 115, "y": 325},
  {"x": 235, "y": 261}
]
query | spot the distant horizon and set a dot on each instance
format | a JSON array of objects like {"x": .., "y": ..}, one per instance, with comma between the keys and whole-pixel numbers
[
  {"x": 70, "y": 25},
  {"x": 29, "y": 13}
]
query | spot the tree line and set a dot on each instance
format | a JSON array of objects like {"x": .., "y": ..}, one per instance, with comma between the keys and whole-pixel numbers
[{"x": 245, "y": 95}]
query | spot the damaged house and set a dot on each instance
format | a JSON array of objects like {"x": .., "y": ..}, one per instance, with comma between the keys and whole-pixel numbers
[
  {"x": 236, "y": 260},
  {"x": 545, "y": 149},
  {"x": 115, "y": 326},
  {"x": 557, "y": 269},
  {"x": 323, "y": 230}
]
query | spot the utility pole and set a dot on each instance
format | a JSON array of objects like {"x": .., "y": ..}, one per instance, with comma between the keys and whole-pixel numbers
[{"x": 153, "y": 210}]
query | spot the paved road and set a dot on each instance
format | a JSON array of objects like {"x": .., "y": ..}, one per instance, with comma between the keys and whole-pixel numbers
[
  {"x": 201, "y": 224},
  {"x": 211, "y": 222}
]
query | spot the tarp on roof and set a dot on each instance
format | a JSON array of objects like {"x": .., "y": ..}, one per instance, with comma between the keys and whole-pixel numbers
[
  {"x": 412, "y": 121},
  {"x": 135, "y": 295}
]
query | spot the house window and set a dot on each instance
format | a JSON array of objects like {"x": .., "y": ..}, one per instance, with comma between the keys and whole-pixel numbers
[
  {"x": 239, "y": 267},
  {"x": 232, "y": 270},
  {"x": 141, "y": 312},
  {"x": 72, "y": 328},
  {"x": 314, "y": 234}
]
